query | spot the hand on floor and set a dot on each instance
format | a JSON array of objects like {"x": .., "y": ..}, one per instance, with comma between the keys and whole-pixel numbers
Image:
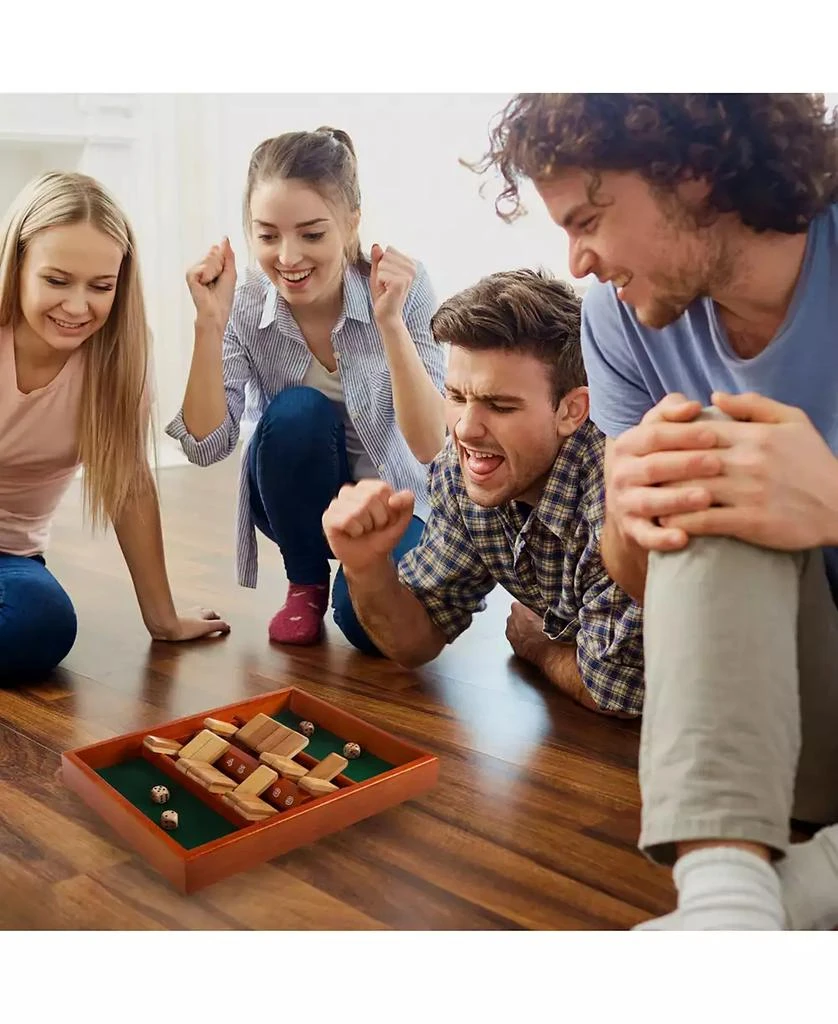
[
  {"x": 525, "y": 631},
  {"x": 204, "y": 622}
]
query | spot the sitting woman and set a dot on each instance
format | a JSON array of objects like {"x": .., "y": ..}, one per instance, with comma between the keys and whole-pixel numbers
[
  {"x": 74, "y": 356},
  {"x": 335, "y": 356}
]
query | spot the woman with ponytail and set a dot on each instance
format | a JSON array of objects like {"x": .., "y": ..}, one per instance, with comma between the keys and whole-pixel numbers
[{"x": 328, "y": 353}]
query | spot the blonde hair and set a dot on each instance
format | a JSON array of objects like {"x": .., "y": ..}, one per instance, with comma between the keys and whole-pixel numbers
[{"x": 115, "y": 413}]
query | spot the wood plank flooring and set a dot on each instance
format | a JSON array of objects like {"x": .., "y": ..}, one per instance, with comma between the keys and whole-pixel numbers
[{"x": 533, "y": 824}]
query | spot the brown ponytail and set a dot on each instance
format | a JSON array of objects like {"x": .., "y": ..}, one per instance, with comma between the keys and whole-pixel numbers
[{"x": 324, "y": 159}]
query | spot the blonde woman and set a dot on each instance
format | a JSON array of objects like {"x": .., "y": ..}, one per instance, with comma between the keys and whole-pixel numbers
[
  {"x": 335, "y": 354},
  {"x": 74, "y": 355}
]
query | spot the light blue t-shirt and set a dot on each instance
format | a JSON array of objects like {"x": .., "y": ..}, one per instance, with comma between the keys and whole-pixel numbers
[{"x": 631, "y": 367}]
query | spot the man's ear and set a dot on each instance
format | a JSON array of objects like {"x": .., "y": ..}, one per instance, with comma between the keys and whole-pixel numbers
[
  {"x": 572, "y": 411},
  {"x": 693, "y": 189}
]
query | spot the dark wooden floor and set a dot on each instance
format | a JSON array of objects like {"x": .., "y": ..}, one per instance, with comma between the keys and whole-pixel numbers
[{"x": 532, "y": 826}]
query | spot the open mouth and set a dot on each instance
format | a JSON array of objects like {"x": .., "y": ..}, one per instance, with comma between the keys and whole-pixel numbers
[
  {"x": 297, "y": 276},
  {"x": 621, "y": 282},
  {"x": 68, "y": 325},
  {"x": 480, "y": 465}
]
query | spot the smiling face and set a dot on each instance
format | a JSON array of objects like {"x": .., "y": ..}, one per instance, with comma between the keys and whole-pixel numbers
[
  {"x": 646, "y": 243},
  {"x": 299, "y": 240},
  {"x": 500, "y": 412},
  {"x": 67, "y": 286}
]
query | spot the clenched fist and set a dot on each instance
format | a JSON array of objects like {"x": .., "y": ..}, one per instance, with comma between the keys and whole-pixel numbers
[
  {"x": 391, "y": 276},
  {"x": 525, "y": 631},
  {"x": 365, "y": 522},
  {"x": 212, "y": 283}
]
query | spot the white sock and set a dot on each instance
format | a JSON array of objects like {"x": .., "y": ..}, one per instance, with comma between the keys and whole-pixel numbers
[
  {"x": 809, "y": 876},
  {"x": 667, "y": 923},
  {"x": 723, "y": 888}
]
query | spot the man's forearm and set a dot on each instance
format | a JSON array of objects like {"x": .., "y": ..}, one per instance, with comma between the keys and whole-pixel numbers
[
  {"x": 558, "y": 663},
  {"x": 392, "y": 616},
  {"x": 624, "y": 561}
]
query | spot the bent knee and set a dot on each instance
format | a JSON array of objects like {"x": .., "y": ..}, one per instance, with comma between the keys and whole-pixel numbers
[
  {"x": 31, "y": 649},
  {"x": 298, "y": 423},
  {"x": 294, "y": 405},
  {"x": 711, "y": 554}
]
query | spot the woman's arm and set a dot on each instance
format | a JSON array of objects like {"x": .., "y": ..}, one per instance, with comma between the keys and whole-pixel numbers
[
  {"x": 207, "y": 425},
  {"x": 405, "y": 331},
  {"x": 139, "y": 532},
  {"x": 205, "y": 401}
]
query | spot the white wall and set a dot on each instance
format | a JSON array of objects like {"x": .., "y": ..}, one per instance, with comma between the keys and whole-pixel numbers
[
  {"x": 152, "y": 153},
  {"x": 178, "y": 163},
  {"x": 415, "y": 194}
]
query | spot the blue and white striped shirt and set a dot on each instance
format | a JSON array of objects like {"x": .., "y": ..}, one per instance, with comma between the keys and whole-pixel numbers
[{"x": 265, "y": 352}]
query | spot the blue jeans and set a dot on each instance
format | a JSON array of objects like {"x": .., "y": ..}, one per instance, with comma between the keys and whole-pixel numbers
[
  {"x": 297, "y": 464},
  {"x": 37, "y": 620}
]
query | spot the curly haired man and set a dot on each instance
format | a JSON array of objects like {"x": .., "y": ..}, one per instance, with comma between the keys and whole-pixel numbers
[{"x": 711, "y": 348}]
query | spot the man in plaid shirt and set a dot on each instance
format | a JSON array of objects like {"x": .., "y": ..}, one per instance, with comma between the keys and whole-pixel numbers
[{"x": 517, "y": 498}]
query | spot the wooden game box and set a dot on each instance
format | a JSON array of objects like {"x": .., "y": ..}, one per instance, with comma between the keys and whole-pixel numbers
[{"x": 213, "y": 841}]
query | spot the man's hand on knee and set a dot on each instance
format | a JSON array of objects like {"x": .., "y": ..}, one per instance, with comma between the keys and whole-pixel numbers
[
  {"x": 777, "y": 484},
  {"x": 657, "y": 469}
]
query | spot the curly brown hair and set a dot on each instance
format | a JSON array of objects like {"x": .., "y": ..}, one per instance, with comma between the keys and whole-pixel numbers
[
  {"x": 519, "y": 311},
  {"x": 772, "y": 158}
]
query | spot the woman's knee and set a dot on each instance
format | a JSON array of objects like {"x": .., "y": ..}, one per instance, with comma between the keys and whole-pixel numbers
[
  {"x": 297, "y": 414},
  {"x": 65, "y": 624},
  {"x": 38, "y": 627},
  {"x": 298, "y": 429}
]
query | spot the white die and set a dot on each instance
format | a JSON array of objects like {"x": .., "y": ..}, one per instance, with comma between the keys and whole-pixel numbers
[
  {"x": 159, "y": 794},
  {"x": 169, "y": 820}
]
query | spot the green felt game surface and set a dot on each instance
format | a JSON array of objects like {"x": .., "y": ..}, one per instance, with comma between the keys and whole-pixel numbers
[
  {"x": 197, "y": 823},
  {"x": 324, "y": 742}
]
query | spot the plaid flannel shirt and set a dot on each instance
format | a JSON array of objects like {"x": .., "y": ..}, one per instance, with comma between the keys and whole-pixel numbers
[{"x": 548, "y": 558}]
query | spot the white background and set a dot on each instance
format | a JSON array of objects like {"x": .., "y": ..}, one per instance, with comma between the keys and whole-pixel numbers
[
  {"x": 91, "y": 47},
  {"x": 178, "y": 164}
]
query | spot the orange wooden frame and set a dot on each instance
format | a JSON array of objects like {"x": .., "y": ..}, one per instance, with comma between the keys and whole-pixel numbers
[{"x": 414, "y": 772}]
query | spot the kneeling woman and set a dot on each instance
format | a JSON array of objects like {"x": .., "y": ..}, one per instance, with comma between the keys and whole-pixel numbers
[
  {"x": 334, "y": 353},
  {"x": 74, "y": 355}
]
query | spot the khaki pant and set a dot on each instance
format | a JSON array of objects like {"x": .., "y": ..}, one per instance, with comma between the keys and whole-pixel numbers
[{"x": 740, "y": 724}]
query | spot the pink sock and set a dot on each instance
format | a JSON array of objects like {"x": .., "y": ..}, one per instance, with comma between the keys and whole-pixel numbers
[{"x": 300, "y": 619}]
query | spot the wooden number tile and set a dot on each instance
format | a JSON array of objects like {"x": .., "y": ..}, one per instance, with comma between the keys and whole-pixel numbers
[
  {"x": 220, "y": 728},
  {"x": 317, "y": 787},
  {"x": 287, "y": 768},
  {"x": 283, "y": 794},
  {"x": 158, "y": 745}
]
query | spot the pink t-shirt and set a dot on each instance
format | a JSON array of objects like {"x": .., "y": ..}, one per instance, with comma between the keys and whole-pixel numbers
[{"x": 38, "y": 449}]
